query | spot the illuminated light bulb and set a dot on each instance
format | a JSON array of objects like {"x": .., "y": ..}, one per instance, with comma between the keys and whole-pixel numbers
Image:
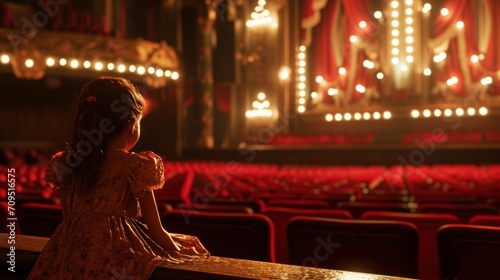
[
  {"x": 262, "y": 2},
  {"x": 368, "y": 64},
  {"x": 254, "y": 15},
  {"x": 445, "y": 12},
  {"x": 284, "y": 73},
  {"x": 175, "y": 76},
  {"x": 427, "y": 113},
  {"x": 409, "y": 39},
  {"x": 395, "y": 51},
  {"x": 394, "y": 4},
  {"x": 427, "y": 72},
  {"x": 415, "y": 114},
  {"x": 87, "y": 64},
  {"x": 366, "y": 116},
  {"x": 395, "y": 32},
  {"x": 409, "y": 20},
  {"x": 395, "y": 60},
  {"x": 333, "y": 91},
  {"x": 98, "y": 66},
  {"x": 302, "y": 63},
  {"x": 151, "y": 70},
  {"x": 121, "y": 68},
  {"x": 449, "y": 82},
  {"x": 448, "y": 112},
  {"x": 50, "y": 61},
  {"x": 141, "y": 70},
  {"x": 111, "y": 66},
  {"x": 483, "y": 111},
  {"x": 395, "y": 42},
  {"x": 377, "y": 14},
  {"x": 357, "y": 116},
  {"x": 395, "y": 23},
  {"x": 29, "y": 63},
  {"x": 342, "y": 71},
  {"x": 454, "y": 80},
  {"x": 338, "y": 117},
  {"x": 380, "y": 75},
  {"x": 302, "y": 78},
  {"x": 376, "y": 115},
  {"x": 159, "y": 73},
  {"x": 409, "y": 2},
  {"x": 314, "y": 95},
  {"x": 471, "y": 111},
  {"x": 301, "y": 109},
  {"x": 347, "y": 116},
  {"x": 395, "y": 14},
  {"x": 302, "y": 100},
  {"x": 248, "y": 114},
  {"x": 259, "y": 9},
  {"x": 460, "y": 24},
  {"x": 301, "y": 56},
  {"x": 481, "y": 56},
  {"x": 302, "y": 48},
  {"x": 329, "y": 117},
  {"x": 474, "y": 58},
  {"x": 256, "y": 104},
  {"x": 301, "y": 70},
  {"x": 362, "y": 24},
  {"x": 360, "y": 88},
  {"x": 387, "y": 115},
  {"x": 437, "y": 113},
  {"x": 403, "y": 67},
  {"x": 301, "y": 85},
  {"x": 409, "y": 30},
  {"x": 74, "y": 63},
  {"x": 63, "y": 62},
  {"x": 5, "y": 59},
  {"x": 459, "y": 112},
  {"x": 302, "y": 93},
  {"x": 132, "y": 68},
  {"x": 426, "y": 8},
  {"x": 261, "y": 96},
  {"x": 353, "y": 39},
  {"x": 409, "y": 11},
  {"x": 409, "y": 49},
  {"x": 319, "y": 79},
  {"x": 488, "y": 80},
  {"x": 409, "y": 58}
]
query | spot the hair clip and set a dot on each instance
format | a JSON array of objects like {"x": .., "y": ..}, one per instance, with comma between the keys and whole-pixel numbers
[{"x": 91, "y": 98}]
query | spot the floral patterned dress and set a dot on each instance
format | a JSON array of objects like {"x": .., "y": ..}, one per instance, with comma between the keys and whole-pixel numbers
[{"x": 100, "y": 237}]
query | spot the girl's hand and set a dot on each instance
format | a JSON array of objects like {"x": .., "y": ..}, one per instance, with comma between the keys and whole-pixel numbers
[{"x": 189, "y": 245}]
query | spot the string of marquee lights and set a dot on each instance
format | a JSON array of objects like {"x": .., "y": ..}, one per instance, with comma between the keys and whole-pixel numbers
[{"x": 403, "y": 19}]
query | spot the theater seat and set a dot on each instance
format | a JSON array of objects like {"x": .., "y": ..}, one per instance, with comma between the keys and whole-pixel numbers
[
  {"x": 379, "y": 247},
  {"x": 281, "y": 216},
  {"x": 485, "y": 220},
  {"x": 463, "y": 211},
  {"x": 241, "y": 236},
  {"x": 428, "y": 226},
  {"x": 299, "y": 203},
  {"x": 358, "y": 207},
  {"x": 469, "y": 252},
  {"x": 39, "y": 219}
]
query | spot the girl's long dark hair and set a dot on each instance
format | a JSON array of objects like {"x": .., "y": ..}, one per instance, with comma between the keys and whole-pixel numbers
[{"x": 104, "y": 109}]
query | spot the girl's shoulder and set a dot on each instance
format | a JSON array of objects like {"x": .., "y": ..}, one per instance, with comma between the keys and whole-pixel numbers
[
  {"x": 145, "y": 172},
  {"x": 145, "y": 157}
]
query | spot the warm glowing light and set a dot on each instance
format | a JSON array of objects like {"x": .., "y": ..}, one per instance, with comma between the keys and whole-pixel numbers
[
  {"x": 409, "y": 11},
  {"x": 302, "y": 48},
  {"x": 409, "y": 49},
  {"x": 445, "y": 12},
  {"x": 301, "y": 85},
  {"x": 368, "y": 64},
  {"x": 403, "y": 67},
  {"x": 338, "y": 117},
  {"x": 301, "y": 109},
  {"x": 426, "y": 8},
  {"x": 132, "y": 68},
  {"x": 333, "y": 91},
  {"x": 395, "y": 14},
  {"x": 395, "y": 42},
  {"x": 111, "y": 66},
  {"x": 437, "y": 113},
  {"x": 301, "y": 70},
  {"x": 87, "y": 64},
  {"x": 302, "y": 100},
  {"x": 151, "y": 70},
  {"x": 481, "y": 56},
  {"x": 409, "y": 2},
  {"x": 319, "y": 79},
  {"x": 459, "y": 112},
  {"x": 360, "y": 88},
  {"x": 409, "y": 39},
  {"x": 376, "y": 115},
  {"x": 395, "y": 60},
  {"x": 387, "y": 115},
  {"x": 395, "y": 32},
  {"x": 261, "y": 96},
  {"x": 159, "y": 73},
  {"x": 121, "y": 68},
  {"x": 395, "y": 51},
  {"x": 394, "y": 4},
  {"x": 448, "y": 112},
  {"x": 302, "y": 63},
  {"x": 474, "y": 58},
  {"x": 483, "y": 111},
  {"x": 362, "y": 24},
  {"x": 409, "y": 30},
  {"x": 395, "y": 23},
  {"x": 427, "y": 72},
  {"x": 347, "y": 116},
  {"x": 329, "y": 117},
  {"x": 471, "y": 111},
  {"x": 409, "y": 58},
  {"x": 284, "y": 73},
  {"x": 460, "y": 24},
  {"x": 302, "y": 93},
  {"x": 415, "y": 114},
  {"x": 74, "y": 63},
  {"x": 366, "y": 116},
  {"x": 50, "y": 61},
  {"x": 98, "y": 66},
  {"x": 29, "y": 63},
  {"x": 486, "y": 81},
  {"x": 301, "y": 56},
  {"x": 377, "y": 14},
  {"x": 342, "y": 71},
  {"x": 175, "y": 76},
  {"x": 63, "y": 62},
  {"x": 353, "y": 39},
  {"x": 5, "y": 59},
  {"x": 141, "y": 70},
  {"x": 409, "y": 20},
  {"x": 357, "y": 116},
  {"x": 302, "y": 78},
  {"x": 314, "y": 95},
  {"x": 427, "y": 113},
  {"x": 380, "y": 75}
]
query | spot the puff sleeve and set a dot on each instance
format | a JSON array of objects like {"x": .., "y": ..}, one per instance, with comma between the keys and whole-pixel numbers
[
  {"x": 55, "y": 171},
  {"x": 145, "y": 173}
]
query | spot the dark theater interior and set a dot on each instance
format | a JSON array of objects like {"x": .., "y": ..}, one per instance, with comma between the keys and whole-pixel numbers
[{"x": 295, "y": 139}]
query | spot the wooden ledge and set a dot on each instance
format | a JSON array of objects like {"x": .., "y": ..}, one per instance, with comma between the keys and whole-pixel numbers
[{"x": 29, "y": 247}]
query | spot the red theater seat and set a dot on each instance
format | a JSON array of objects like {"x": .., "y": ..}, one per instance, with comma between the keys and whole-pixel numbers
[
  {"x": 241, "y": 236},
  {"x": 281, "y": 216},
  {"x": 469, "y": 252},
  {"x": 427, "y": 225},
  {"x": 485, "y": 220},
  {"x": 358, "y": 207},
  {"x": 299, "y": 203},
  {"x": 219, "y": 209},
  {"x": 463, "y": 211},
  {"x": 39, "y": 219},
  {"x": 387, "y": 248}
]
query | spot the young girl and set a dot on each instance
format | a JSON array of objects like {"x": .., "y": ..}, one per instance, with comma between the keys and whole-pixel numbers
[{"x": 104, "y": 188}]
